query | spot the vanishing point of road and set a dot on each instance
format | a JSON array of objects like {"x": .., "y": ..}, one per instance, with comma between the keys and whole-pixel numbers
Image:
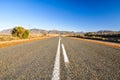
[{"x": 59, "y": 58}]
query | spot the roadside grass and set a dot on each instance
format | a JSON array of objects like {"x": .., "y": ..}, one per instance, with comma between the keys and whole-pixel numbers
[{"x": 9, "y": 40}]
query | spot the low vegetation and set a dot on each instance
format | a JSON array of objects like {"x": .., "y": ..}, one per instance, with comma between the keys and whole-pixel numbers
[{"x": 113, "y": 37}]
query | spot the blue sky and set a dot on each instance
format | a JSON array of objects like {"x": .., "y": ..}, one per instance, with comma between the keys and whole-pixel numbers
[{"x": 70, "y": 15}]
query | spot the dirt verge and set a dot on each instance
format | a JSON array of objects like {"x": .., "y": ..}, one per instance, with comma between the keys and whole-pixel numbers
[{"x": 100, "y": 42}]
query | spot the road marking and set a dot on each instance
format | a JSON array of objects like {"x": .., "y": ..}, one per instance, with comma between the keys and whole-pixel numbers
[
  {"x": 66, "y": 60},
  {"x": 56, "y": 71}
]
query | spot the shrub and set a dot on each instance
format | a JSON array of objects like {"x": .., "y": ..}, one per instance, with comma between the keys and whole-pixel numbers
[{"x": 20, "y": 32}]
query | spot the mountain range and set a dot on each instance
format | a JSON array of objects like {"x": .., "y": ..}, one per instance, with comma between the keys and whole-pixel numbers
[{"x": 41, "y": 31}]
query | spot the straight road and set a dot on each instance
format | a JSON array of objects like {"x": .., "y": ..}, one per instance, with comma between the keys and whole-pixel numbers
[{"x": 59, "y": 59}]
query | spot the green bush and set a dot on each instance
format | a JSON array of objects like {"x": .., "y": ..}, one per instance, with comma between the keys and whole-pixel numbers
[{"x": 20, "y": 32}]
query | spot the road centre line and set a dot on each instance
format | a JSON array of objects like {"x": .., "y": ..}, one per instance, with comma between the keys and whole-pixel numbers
[
  {"x": 66, "y": 60},
  {"x": 56, "y": 70}
]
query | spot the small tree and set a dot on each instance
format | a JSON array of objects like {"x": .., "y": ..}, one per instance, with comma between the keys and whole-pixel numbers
[{"x": 20, "y": 32}]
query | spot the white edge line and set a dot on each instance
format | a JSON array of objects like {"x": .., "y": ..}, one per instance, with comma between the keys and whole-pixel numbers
[
  {"x": 66, "y": 60},
  {"x": 56, "y": 70}
]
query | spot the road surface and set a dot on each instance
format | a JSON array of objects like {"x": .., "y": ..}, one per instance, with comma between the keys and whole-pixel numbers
[{"x": 59, "y": 58}]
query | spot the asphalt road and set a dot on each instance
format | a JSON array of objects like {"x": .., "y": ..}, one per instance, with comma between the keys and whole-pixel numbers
[{"x": 59, "y": 59}]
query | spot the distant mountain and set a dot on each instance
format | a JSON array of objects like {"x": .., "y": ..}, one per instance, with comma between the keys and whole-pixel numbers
[
  {"x": 41, "y": 31},
  {"x": 60, "y": 32},
  {"x": 108, "y": 32},
  {"x": 6, "y": 31},
  {"x": 38, "y": 31},
  {"x": 105, "y": 31}
]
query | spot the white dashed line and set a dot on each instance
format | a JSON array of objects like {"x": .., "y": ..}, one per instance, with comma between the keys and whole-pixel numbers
[
  {"x": 56, "y": 71},
  {"x": 66, "y": 60}
]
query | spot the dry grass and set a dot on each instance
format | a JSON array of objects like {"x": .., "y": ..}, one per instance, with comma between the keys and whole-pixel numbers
[
  {"x": 8, "y": 40},
  {"x": 101, "y": 42},
  {"x": 7, "y": 37}
]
